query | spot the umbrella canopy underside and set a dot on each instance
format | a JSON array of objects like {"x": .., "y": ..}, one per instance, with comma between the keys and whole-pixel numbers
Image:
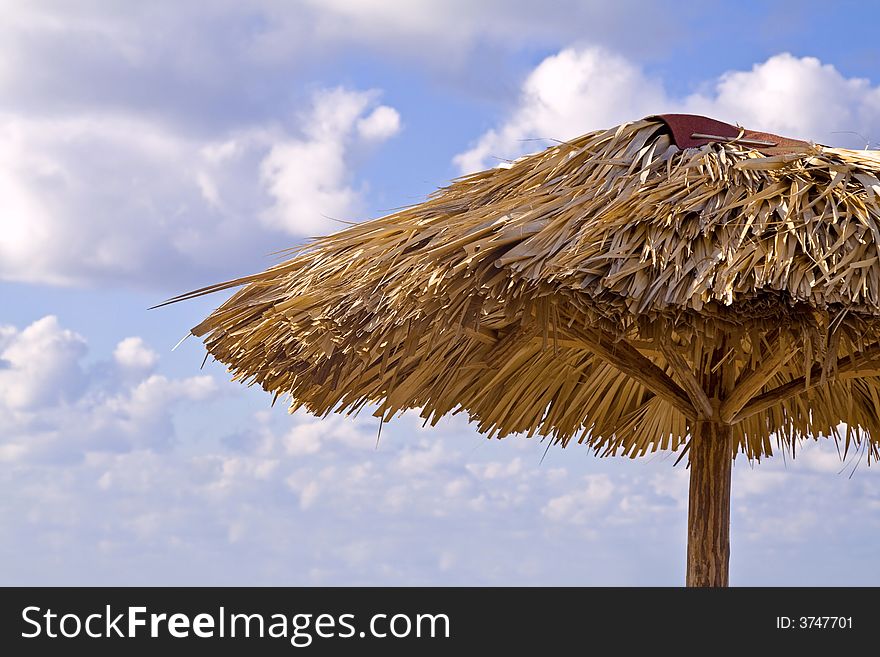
[{"x": 593, "y": 291}]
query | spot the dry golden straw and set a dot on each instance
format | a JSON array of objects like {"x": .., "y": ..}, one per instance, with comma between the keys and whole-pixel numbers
[{"x": 590, "y": 292}]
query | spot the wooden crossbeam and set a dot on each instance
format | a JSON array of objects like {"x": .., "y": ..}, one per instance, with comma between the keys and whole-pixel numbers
[
  {"x": 688, "y": 379},
  {"x": 866, "y": 363},
  {"x": 632, "y": 362},
  {"x": 751, "y": 383}
]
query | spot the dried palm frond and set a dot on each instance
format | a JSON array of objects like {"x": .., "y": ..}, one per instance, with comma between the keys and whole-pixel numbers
[{"x": 592, "y": 291}]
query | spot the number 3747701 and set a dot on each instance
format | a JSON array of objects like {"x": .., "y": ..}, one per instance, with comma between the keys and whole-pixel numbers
[{"x": 814, "y": 622}]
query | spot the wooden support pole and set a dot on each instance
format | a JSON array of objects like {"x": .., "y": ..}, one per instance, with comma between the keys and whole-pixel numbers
[{"x": 708, "y": 542}]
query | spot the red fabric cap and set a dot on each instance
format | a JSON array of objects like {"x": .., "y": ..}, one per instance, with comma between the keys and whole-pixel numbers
[{"x": 682, "y": 126}]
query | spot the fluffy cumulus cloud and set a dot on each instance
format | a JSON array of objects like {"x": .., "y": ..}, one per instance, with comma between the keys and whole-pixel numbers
[
  {"x": 133, "y": 353},
  {"x": 40, "y": 365},
  {"x": 308, "y": 177},
  {"x": 564, "y": 96},
  {"x": 578, "y": 90},
  {"x": 176, "y": 146},
  {"x": 188, "y": 50},
  {"x": 109, "y": 481},
  {"x": 798, "y": 96},
  {"x": 126, "y": 199},
  {"x": 56, "y": 407}
]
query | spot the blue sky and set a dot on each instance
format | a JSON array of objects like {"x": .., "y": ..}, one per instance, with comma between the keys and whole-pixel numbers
[{"x": 149, "y": 148}]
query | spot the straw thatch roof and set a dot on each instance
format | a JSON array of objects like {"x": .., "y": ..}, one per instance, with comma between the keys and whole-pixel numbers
[{"x": 589, "y": 292}]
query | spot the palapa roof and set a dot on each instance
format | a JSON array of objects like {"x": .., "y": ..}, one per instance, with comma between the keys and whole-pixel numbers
[{"x": 613, "y": 289}]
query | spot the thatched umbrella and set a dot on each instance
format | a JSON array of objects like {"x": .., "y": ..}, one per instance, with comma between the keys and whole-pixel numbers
[{"x": 675, "y": 283}]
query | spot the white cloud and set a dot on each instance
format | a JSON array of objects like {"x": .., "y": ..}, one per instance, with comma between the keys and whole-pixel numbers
[
  {"x": 446, "y": 31},
  {"x": 133, "y": 353},
  {"x": 496, "y": 469},
  {"x": 757, "y": 481},
  {"x": 200, "y": 43},
  {"x": 579, "y": 505},
  {"x": 53, "y": 407},
  {"x": 568, "y": 94},
  {"x": 40, "y": 365},
  {"x": 428, "y": 456},
  {"x": 579, "y": 90},
  {"x": 309, "y": 434},
  {"x": 120, "y": 198},
  {"x": 382, "y": 123},
  {"x": 297, "y": 500},
  {"x": 154, "y": 393},
  {"x": 303, "y": 439},
  {"x": 308, "y": 177},
  {"x": 11, "y": 453},
  {"x": 99, "y": 198},
  {"x": 672, "y": 486},
  {"x": 800, "y": 97},
  {"x": 828, "y": 461}
]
